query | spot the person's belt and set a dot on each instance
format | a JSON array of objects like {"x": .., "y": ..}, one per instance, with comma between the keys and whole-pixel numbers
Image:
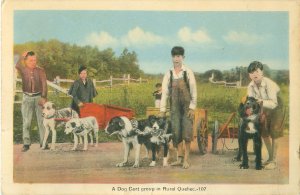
[{"x": 32, "y": 94}]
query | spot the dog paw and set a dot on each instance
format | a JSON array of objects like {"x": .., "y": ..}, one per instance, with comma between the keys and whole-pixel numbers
[
  {"x": 185, "y": 165},
  {"x": 85, "y": 149},
  {"x": 242, "y": 166},
  {"x": 152, "y": 164},
  {"x": 122, "y": 164},
  {"x": 166, "y": 164},
  {"x": 73, "y": 149},
  {"x": 136, "y": 165}
]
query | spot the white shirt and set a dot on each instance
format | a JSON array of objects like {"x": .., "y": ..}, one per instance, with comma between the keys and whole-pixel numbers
[
  {"x": 165, "y": 85},
  {"x": 267, "y": 91}
]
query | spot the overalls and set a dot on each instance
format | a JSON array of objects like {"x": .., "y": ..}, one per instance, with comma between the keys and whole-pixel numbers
[{"x": 180, "y": 99}]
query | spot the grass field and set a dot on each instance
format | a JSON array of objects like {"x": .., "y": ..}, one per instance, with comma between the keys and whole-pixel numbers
[{"x": 218, "y": 100}]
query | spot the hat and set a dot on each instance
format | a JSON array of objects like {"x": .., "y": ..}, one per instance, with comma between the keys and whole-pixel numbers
[
  {"x": 177, "y": 50},
  {"x": 81, "y": 68}
]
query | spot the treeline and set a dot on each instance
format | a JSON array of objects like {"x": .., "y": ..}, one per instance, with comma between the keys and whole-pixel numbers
[
  {"x": 240, "y": 73},
  {"x": 63, "y": 59}
]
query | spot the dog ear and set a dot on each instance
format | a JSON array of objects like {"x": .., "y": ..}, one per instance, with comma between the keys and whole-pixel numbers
[
  {"x": 122, "y": 123},
  {"x": 73, "y": 124}
]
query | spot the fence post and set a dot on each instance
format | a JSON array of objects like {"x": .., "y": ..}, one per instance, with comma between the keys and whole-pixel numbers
[
  {"x": 94, "y": 82},
  {"x": 128, "y": 77},
  {"x": 140, "y": 79},
  {"x": 111, "y": 81},
  {"x": 124, "y": 78},
  {"x": 57, "y": 82}
]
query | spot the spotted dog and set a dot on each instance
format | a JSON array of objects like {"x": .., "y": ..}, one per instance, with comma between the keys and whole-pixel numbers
[
  {"x": 123, "y": 126},
  {"x": 250, "y": 128},
  {"x": 83, "y": 127},
  {"x": 134, "y": 133},
  {"x": 50, "y": 114}
]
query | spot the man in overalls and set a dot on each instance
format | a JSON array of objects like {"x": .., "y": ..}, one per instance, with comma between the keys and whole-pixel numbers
[{"x": 179, "y": 85}]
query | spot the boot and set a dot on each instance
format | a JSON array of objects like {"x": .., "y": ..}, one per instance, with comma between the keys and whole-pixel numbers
[
  {"x": 186, "y": 162},
  {"x": 179, "y": 155}
]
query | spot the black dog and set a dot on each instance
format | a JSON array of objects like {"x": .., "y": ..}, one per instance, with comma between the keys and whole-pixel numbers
[
  {"x": 250, "y": 128},
  {"x": 150, "y": 132},
  {"x": 155, "y": 131}
]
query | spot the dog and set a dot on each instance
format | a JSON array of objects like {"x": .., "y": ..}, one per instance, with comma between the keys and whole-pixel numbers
[
  {"x": 135, "y": 133},
  {"x": 250, "y": 112},
  {"x": 50, "y": 114},
  {"x": 83, "y": 127},
  {"x": 154, "y": 132}
]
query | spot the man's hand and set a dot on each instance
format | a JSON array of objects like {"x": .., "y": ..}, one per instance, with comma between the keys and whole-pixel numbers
[
  {"x": 80, "y": 104},
  {"x": 42, "y": 101},
  {"x": 191, "y": 114},
  {"x": 162, "y": 114}
]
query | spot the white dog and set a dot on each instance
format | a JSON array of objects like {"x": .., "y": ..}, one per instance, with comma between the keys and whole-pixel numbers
[
  {"x": 50, "y": 114},
  {"x": 83, "y": 127}
]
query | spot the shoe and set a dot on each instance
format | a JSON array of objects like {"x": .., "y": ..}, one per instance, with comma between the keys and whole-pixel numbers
[
  {"x": 25, "y": 148},
  {"x": 272, "y": 165}
]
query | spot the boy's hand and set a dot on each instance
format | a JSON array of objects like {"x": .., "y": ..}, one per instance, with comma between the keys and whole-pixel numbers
[
  {"x": 162, "y": 114},
  {"x": 191, "y": 114},
  {"x": 80, "y": 104}
]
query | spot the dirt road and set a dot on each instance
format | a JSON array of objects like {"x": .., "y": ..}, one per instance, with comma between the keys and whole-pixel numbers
[{"x": 97, "y": 165}]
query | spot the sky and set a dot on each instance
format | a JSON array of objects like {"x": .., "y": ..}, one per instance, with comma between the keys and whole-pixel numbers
[{"x": 212, "y": 40}]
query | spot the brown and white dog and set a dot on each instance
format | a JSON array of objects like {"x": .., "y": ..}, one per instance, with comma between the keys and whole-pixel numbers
[
  {"x": 50, "y": 114},
  {"x": 83, "y": 127}
]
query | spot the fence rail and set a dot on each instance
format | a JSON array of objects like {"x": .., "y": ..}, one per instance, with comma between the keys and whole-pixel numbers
[{"x": 58, "y": 81}]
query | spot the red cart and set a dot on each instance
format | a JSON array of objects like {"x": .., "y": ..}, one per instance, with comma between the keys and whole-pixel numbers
[{"x": 104, "y": 113}]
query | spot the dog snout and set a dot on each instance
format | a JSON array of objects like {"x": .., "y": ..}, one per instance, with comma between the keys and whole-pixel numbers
[{"x": 43, "y": 114}]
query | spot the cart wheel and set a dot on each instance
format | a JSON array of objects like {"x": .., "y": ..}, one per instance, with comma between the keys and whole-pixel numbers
[{"x": 202, "y": 137}]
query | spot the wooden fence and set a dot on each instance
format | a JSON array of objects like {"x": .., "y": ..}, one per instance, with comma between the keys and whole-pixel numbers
[{"x": 56, "y": 84}]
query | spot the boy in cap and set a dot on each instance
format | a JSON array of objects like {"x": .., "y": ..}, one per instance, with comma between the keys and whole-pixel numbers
[
  {"x": 267, "y": 93},
  {"x": 82, "y": 90},
  {"x": 179, "y": 85}
]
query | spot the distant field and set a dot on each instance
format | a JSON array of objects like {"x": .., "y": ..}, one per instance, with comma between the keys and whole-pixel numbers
[{"x": 218, "y": 100}]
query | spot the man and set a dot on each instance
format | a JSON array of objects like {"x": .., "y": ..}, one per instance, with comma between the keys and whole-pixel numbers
[
  {"x": 82, "y": 90},
  {"x": 34, "y": 86},
  {"x": 267, "y": 93},
  {"x": 180, "y": 86}
]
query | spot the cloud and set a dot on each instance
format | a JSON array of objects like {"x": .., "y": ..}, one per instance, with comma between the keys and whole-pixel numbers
[
  {"x": 186, "y": 35},
  {"x": 135, "y": 37},
  {"x": 139, "y": 37},
  {"x": 242, "y": 38},
  {"x": 101, "y": 40}
]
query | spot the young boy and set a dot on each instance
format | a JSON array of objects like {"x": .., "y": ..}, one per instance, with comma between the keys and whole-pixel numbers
[
  {"x": 266, "y": 92},
  {"x": 82, "y": 90},
  {"x": 180, "y": 86},
  {"x": 157, "y": 95}
]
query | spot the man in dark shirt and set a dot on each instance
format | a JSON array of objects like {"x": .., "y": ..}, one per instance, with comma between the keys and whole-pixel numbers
[
  {"x": 34, "y": 86},
  {"x": 82, "y": 90}
]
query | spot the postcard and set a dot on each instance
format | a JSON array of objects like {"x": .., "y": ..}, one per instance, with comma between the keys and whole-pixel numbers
[{"x": 150, "y": 97}]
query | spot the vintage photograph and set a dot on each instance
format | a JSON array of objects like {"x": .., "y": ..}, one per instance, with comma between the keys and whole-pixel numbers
[{"x": 150, "y": 98}]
